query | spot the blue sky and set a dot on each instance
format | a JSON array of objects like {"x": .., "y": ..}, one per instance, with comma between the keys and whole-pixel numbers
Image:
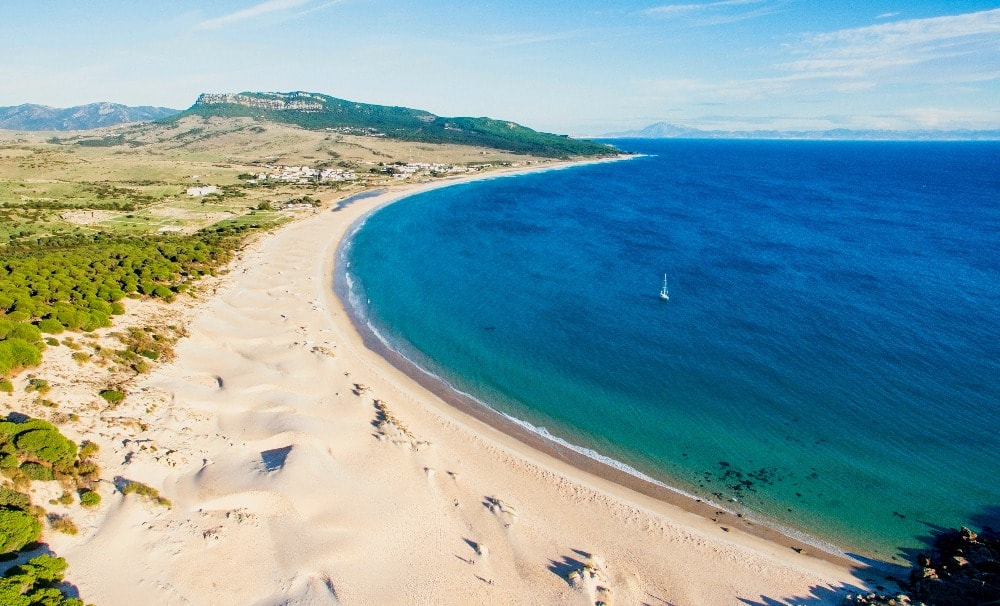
[{"x": 581, "y": 67}]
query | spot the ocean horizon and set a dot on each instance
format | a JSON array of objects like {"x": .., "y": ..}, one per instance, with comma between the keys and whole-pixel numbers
[{"x": 828, "y": 356}]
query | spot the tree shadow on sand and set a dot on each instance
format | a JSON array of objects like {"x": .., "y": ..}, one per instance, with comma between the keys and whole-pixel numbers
[{"x": 951, "y": 567}]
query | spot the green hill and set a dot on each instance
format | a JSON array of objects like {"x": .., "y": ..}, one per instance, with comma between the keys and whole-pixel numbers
[{"x": 322, "y": 112}]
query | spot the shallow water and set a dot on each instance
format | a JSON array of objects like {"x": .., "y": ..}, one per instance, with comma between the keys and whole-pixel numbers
[{"x": 828, "y": 356}]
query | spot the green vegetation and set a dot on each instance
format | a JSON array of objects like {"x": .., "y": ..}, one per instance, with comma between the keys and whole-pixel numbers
[
  {"x": 141, "y": 346},
  {"x": 89, "y": 498},
  {"x": 17, "y": 529},
  {"x": 88, "y": 449},
  {"x": 20, "y": 343},
  {"x": 51, "y": 326},
  {"x": 113, "y": 396},
  {"x": 12, "y": 499},
  {"x": 39, "y": 386},
  {"x": 63, "y": 524},
  {"x": 37, "y": 441},
  {"x": 144, "y": 490},
  {"x": 36, "y": 583},
  {"x": 325, "y": 112},
  {"x": 36, "y": 472},
  {"x": 77, "y": 282},
  {"x": 32, "y": 450}
]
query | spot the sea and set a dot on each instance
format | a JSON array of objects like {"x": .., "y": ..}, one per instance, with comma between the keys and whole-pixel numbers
[{"x": 828, "y": 360}]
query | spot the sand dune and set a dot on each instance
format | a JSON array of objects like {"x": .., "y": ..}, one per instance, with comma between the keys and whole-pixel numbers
[{"x": 292, "y": 485}]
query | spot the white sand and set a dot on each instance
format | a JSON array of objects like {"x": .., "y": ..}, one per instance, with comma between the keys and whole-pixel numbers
[{"x": 285, "y": 491}]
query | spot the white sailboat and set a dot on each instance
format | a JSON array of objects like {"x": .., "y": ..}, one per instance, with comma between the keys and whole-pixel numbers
[{"x": 664, "y": 294}]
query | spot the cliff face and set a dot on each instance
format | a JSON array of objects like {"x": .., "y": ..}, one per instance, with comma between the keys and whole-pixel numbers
[{"x": 265, "y": 101}]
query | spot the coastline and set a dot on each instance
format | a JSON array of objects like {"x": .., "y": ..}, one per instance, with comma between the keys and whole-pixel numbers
[
  {"x": 583, "y": 459},
  {"x": 304, "y": 466}
]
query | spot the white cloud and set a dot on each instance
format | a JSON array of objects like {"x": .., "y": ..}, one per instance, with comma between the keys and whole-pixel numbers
[
  {"x": 887, "y": 15},
  {"x": 860, "y": 52},
  {"x": 952, "y": 51},
  {"x": 918, "y": 73},
  {"x": 671, "y": 10},
  {"x": 257, "y": 10},
  {"x": 719, "y": 12},
  {"x": 530, "y": 38}
]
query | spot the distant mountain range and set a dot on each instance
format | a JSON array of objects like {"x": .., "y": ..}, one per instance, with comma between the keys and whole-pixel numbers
[
  {"x": 82, "y": 117},
  {"x": 322, "y": 112},
  {"x": 664, "y": 130}
]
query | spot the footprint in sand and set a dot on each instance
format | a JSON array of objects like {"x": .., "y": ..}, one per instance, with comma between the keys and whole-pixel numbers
[
  {"x": 587, "y": 574},
  {"x": 502, "y": 510},
  {"x": 391, "y": 428}
]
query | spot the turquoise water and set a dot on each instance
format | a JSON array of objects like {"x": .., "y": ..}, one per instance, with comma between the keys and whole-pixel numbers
[{"x": 829, "y": 356}]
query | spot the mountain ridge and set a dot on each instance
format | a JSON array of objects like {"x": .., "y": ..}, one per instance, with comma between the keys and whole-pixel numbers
[
  {"x": 665, "y": 130},
  {"x": 35, "y": 117},
  {"x": 317, "y": 111}
]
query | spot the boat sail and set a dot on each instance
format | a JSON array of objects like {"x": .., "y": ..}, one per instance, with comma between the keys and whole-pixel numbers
[{"x": 664, "y": 294}]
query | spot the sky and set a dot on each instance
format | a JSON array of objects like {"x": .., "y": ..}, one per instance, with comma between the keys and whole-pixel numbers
[{"x": 581, "y": 67}]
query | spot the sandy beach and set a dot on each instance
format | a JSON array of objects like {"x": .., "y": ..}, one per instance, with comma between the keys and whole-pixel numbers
[{"x": 303, "y": 468}]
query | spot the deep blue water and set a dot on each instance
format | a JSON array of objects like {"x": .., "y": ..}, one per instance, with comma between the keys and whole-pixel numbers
[{"x": 830, "y": 354}]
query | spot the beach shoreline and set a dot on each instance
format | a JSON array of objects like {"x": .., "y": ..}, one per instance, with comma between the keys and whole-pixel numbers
[
  {"x": 305, "y": 467},
  {"x": 723, "y": 514}
]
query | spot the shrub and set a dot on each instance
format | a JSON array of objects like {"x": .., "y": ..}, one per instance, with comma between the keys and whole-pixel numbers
[
  {"x": 80, "y": 357},
  {"x": 87, "y": 468},
  {"x": 19, "y": 316},
  {"x": 11, "y": 429},
  {"x": 12, "y": 499},
  {"x": 51, "y": 326},
  {"x": 89, "y": 498},
  {"x": 88, "y": 449},
  {"x": 20, "y": 330},
  {"x": 17, "y": 529},
  {"x": 36, "y": 471},
  {"x": 6, "y": 386},
  {"x": 35, "y": 583},
  {"x": 16, "y": 354},
  {"x": 8, "y": 429},
  {"x": 63, "y": 524},
  {"x": 113, "y": 396},
  {"x": 52, "y": 341},
  {"x": 164, "y": 293},
  {"x": 47, "y": 445},
  {"x": 8, "y": 461},
  {"x": 40, "y": 385},
  {"x": 144, "y": 490}
]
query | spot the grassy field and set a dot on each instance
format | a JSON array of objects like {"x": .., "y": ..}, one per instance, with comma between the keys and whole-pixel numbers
[{"x": 133, "y": 179}]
